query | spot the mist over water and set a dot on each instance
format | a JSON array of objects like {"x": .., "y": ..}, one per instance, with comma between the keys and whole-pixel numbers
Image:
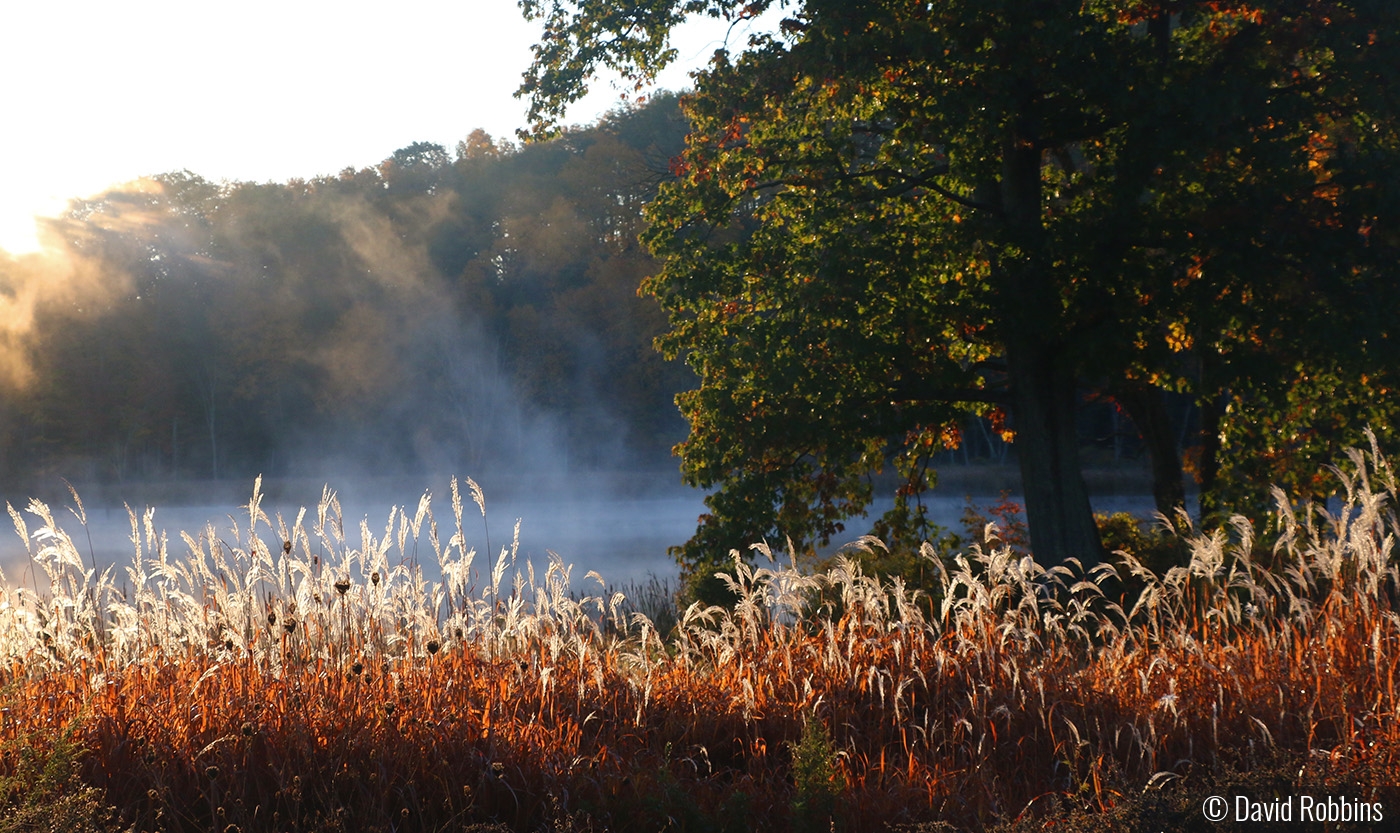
[
  {"x": 378, "y": 332},
  {"x": 616, "y": 523}
]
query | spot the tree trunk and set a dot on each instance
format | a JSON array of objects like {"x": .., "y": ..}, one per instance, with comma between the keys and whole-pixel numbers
[
  {"x": 1148, "y": 410},
  {"x": 1210, "y": 460},
  {"x": 1058, "y": 513},
  {"x": 1042, "y": 376}
]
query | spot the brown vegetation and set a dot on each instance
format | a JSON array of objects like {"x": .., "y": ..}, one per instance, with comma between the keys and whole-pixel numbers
[{"x": 329, "y": 685}]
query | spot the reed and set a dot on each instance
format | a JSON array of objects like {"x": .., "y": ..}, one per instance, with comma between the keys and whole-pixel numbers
[{"x": 278, "y": 677}]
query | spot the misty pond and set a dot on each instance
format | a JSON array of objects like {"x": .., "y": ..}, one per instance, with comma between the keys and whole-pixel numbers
[{"x": 618, "y": 525}]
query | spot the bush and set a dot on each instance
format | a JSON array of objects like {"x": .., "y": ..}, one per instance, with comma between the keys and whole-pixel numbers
[{"x": 41, "y": 791}]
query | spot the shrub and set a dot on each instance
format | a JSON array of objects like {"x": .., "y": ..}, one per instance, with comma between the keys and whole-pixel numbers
[
  {"x": 41, "y": 791},
  {"x": 816, "y": 780}
]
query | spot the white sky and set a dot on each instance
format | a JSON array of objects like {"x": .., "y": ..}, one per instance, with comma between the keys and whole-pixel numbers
[{"x": 95, "y": 92}]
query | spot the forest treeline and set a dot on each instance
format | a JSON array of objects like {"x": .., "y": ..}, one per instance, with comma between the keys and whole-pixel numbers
[{"x": 441, "y": 311}]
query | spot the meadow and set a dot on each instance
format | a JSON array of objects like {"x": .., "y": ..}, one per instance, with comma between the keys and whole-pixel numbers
[{"x": 290, "y": 674}]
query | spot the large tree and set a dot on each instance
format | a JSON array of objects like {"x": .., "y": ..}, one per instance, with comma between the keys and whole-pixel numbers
[{"x": 895, "y": 212}]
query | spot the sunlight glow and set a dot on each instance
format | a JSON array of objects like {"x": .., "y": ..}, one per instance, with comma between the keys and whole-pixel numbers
[
  {"x": 272, "y": 92},
  {"x": 17, "y": 230}
]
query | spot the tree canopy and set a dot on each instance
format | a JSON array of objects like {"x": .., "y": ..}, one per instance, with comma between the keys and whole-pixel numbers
[{"x": 891, "y": 214}]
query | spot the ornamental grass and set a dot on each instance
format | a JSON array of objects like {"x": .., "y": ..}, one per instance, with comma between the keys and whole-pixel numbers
[{"x": 289, "y": 676}]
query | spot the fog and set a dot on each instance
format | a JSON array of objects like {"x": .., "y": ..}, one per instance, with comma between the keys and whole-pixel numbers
[{"x": 616, "y": 523}]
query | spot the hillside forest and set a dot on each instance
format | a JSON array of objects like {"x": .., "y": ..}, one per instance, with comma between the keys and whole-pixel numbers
[{"x": 444, "y": 311}]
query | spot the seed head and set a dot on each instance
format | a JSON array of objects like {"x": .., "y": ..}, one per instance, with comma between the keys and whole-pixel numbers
[
  {"x": 342, "y": 585},
  {"x": 374, "y": 578},
  {"x": 271, "y": 618},
  {"x": 287, "y": 547},
  {"x": 358, "y": 668},
  {"x": 289, "y": 625},
  {"x": 433, "y": 646}
]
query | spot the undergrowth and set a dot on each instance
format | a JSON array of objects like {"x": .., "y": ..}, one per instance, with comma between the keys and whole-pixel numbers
[{"x": 280, "y": 678}]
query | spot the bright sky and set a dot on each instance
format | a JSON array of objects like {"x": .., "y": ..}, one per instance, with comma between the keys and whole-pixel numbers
[{"x": 94, "y": 93}]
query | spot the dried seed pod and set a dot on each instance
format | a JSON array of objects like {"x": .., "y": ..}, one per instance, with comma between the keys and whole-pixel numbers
[
  {"x": 287, "y": 547},
  {"x": 289, "y": 625},
  {"x": 374, "y": 578},
  {"x": 433, "y": 646},
  {"x": 271, "y": 618},
  {"x": 342, "y": 586},
  {"x": 358, "y": 668}
]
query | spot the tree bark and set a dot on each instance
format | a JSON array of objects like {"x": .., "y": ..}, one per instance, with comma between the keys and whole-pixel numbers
[
  {"x": 1210, "y": 459},
  {"x": 1058, "y": 513},
  {"x": 1147, "y": 408},
  {"x": 1041, "y": 373}
]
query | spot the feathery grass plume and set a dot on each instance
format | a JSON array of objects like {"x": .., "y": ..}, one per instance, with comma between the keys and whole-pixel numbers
[
  {"x": 238, "y": 681},
  {"x": 80, "y": 513},
  {"x": 22, "y": 529}
]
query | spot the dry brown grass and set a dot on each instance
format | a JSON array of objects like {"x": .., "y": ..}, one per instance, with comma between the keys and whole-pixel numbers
[{"x": 280, "y": 678}]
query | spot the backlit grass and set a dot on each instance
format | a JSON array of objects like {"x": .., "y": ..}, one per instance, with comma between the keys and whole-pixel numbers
[{"x": 290, "y": 675}]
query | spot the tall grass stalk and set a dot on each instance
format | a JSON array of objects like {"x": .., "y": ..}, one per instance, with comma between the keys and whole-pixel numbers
[{"x": 275, "y": 677}]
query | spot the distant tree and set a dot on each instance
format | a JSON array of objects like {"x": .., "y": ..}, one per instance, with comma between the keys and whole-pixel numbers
[
  {"x": 415, "y": 168},
  {"x": 477, "y": 145}
]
